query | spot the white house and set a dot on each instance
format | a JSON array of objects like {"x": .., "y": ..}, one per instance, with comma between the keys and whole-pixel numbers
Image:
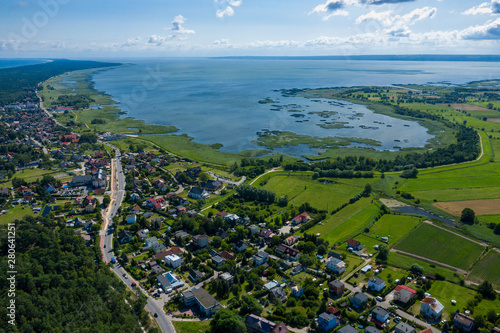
[
  {"x": 335, "y": 265},
  {"x": 173, "y": 260},
  {"x": 150, "y": 242},
  {"x": 198, "y": 193},
  {"x": 260, "y": 257},
  {"x": 376, "y": 284},
  {"x": 431, "y": 307}
]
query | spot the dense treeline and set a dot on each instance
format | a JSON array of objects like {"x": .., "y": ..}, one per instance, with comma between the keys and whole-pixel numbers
[
  {"x": 59, "y": 286},
  {"x": 252, "y": 167},
  {"x": 75, "y": 101},
  {"x": 251, "y": 193},
  {"x": 467, "y": 148},
  {"x": 15, "y": 83}
]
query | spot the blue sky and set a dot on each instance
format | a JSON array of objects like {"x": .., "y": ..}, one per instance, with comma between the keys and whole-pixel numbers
[{"x": 133, "y": 28}]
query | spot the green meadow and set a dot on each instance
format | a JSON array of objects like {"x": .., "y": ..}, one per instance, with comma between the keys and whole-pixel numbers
[
  {"x": 488, "y": 269},
  {"x": 440, "y": 245},
  {"x": 397, "y": 226}
]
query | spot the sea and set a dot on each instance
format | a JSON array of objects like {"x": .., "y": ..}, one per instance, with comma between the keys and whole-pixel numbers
[{"x": 216, "y": 100}]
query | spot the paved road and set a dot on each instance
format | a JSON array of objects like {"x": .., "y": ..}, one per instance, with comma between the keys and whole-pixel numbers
[{"x": 117, "y": 189}]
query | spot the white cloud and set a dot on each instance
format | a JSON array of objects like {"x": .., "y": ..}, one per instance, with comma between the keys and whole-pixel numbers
[
  {"x": 398, "y": 25},
  {"x": 492, "y": 7},
  {"x": 132, "y": 41},
  {"x": 158, "y": 40},
  {"x": 332, "y": 7},
  {"x": 490, "y": 30},
  {"x": 384, "y": 17},
  {"x": 483, "y": 8},
  {"x": 178, "y": 28},
  {"x": 229, "y": 11}
]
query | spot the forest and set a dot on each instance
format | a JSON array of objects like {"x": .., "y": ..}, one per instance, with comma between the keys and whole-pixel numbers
[
  {"x": 17, "y": 82},
  {"x": 60, "y": 284}
]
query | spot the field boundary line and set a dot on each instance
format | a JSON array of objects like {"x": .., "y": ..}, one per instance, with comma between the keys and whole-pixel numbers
[
  {"x": 348, "y": 217},
  {"x": 412, "y": 255},
  {"x": 456, "y": 233}
]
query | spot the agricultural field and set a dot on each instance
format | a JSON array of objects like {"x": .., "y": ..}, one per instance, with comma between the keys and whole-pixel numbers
[
  {"x": 488, "y": 269},
  {"x": 480, "y": 207},
  {"x": 301, "y": 189},
  {"x": 405, "y": 262},
  {"x": 352, "y": 225},
  {"x": 440, "y": 245},
  {"x": 397, "y": 226}
]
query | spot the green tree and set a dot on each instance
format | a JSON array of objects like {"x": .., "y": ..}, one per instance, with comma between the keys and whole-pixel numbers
[
  {"x": 204, "y": 177},
  {"x": 486, "y": 289},
  {"x": 496, "y": 231},
  {"x": 383, "y": 252},
  {"x": 227, "y": 321},
  {"x": 468, "y": 216}
]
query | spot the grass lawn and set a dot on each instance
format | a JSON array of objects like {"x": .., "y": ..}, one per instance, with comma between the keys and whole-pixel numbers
[
  {"x": 301, "y": 188},
  {"x": 397, "y": 226},
  {"x": 353, "y": 225},
  {"x": 30, "y": 175},
  {"x": 444, "y": 292},
  {"x": 352, "y": 262},
  {"x": 339, "y": 217},
  {"x": 405, "y": 262},
  {"x": 191, "y": 326},
  {"x": 438, "y": 244},
  {"x": 487, "y": 269},
  {"x": 480, "y": 231},
  {"x": 16, "y": 213}
]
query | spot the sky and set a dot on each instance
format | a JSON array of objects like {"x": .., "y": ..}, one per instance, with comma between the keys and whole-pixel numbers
[{"x": 193, "y": 28}]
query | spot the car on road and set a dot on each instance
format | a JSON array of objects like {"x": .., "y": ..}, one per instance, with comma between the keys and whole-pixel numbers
[
  {"x": 104, "y": 246},
  {"x": 156, "y": 315},
  {"x": 379, "y": 299},
  {"x": 125, "y": 275}
]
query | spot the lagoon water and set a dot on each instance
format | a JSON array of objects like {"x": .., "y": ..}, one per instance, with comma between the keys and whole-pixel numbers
[{"x": 216, "y": 100}]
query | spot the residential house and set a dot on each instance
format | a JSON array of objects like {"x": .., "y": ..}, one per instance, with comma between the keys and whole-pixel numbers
[
  {"x": 256, "y": 324},
  {"x": 200, "y": 241},
  {"x": 196, "y": 275},
  {"x": 379, "y": 316},
  {"x": 289, "y": 252},
  {"x": 431, "y": 308},
  {"x": 131, "y": 218},
  {"x": 211, "y": 185},
  {"x": 150, "y": 242},
  {"x": 124, "y": 236},
  {"x": 359, "y": 300},
  {"x": 158, "y": 247},
  {"x": 169, "y": 280},
  {"x": 290, "y": 240},
  {"x": 157, "y": 269},
  {"x": 198, "y": 193},
  {"x": 347, "y": 329},
  {"x": 226, "y": 255},
  {"x": 376, "y": 284},
  {"x": 81, "y": 180},
  {"x": 371, "y": 329},
  {"x": 354, "y": 245},
  {"x": 218, "y": 261},
  {"x": 136, "y": 209},
  {"x": 336, "y": 287},
  {"x": 240, "y": 245},
  {"x": 297, "y": 269},
  {"x": 99, "y": 179},
  {"x": 279, "y": 294},
  {"x": 260, "y": 258},
  {"x": 181, "y": 234},
  {"x": 335, "y": 255},
  {"x": 335, "y": 265},
  {"x": 173, "y": 261},
  {"x": 205, "y": 302},
  {"x": 403, "y": 293},
  {"x": 301, "y": 218},
  {"x": 253, "y": 229},
  {"x": 297, "y": 291},
  {"x": 403, "y": 327},
  {"x": 226, "y": 277},
  {"x": 463, "y": 323},
  {"x": 327, "y": 321},
  {"x": 267, "y": 234}
]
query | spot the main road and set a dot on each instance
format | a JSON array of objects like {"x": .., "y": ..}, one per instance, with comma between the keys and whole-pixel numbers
[{"x": 117, "y": 185}]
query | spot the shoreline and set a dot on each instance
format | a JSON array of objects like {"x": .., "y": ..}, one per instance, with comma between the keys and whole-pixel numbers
[{"x": 111, "y": 111}]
